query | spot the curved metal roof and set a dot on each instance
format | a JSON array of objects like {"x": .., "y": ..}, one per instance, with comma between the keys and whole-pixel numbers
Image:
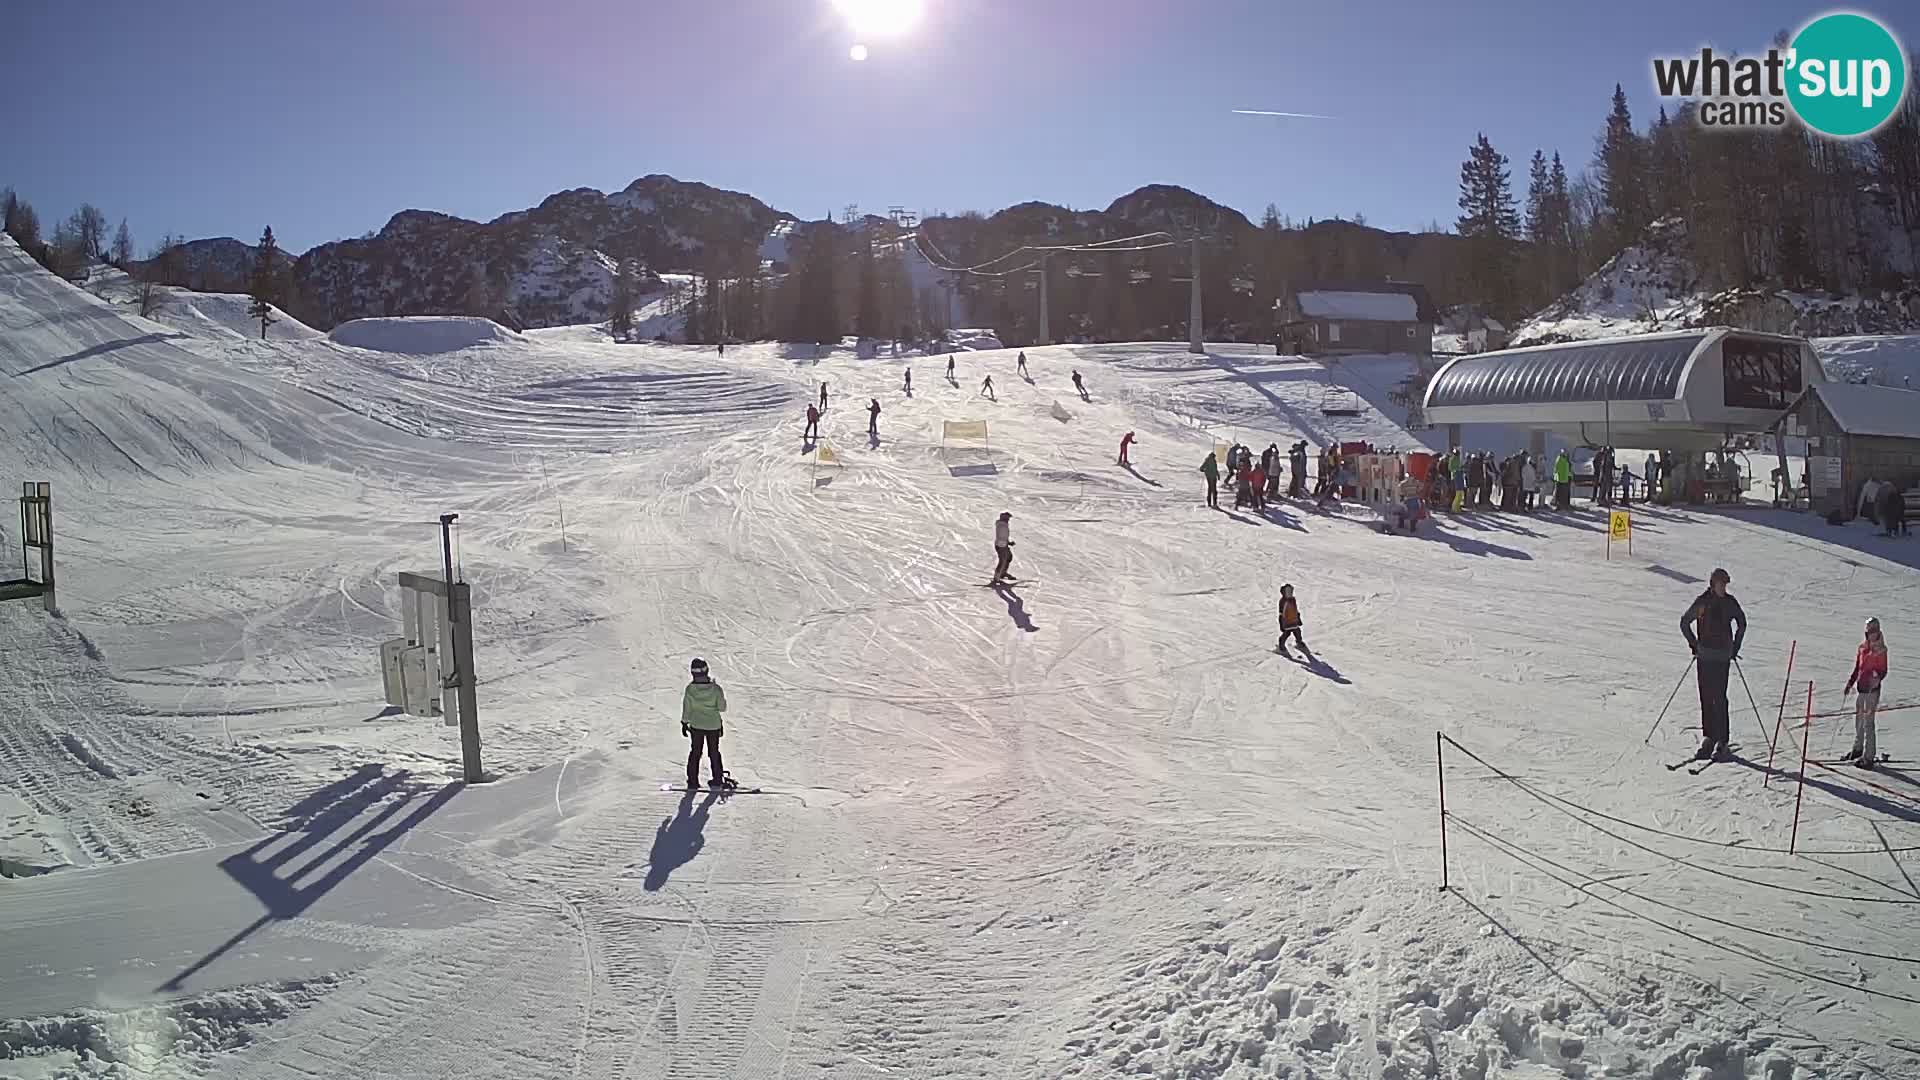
[{"x": 1622, "y": 369}]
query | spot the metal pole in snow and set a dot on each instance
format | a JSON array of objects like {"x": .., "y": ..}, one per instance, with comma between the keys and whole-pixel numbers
[
  {"x": 1440, "y": 764},
  {"x": 1794, "y": 840},
  {"x": 1781, "y": 718}
]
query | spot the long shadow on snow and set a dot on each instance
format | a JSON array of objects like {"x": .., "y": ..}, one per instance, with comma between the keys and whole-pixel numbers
[
  {"x": 1468, "y": 545},
  {"x": 1135, "y": 473},
  {"x": 1317, "y": 666},
  {"x": 678, "y": 839},
  {"x": 1491, "y": 521},
  {"x": 1016, "y": 608},
  {"x": 286, "y": 891},
  {"x": 96, "y": 350},
  {"x": 1866, "y": 800}
]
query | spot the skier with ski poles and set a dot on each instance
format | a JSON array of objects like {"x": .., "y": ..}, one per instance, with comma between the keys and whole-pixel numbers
[
  {"x": 873, "y": 420},
  {"x": 986, "y": 389},
  {"x": 1125, "y": 442},
  {"x": 1210, "y": 468},
  {"x": 1869, "y": 672},
  {"x": 701, "y": 706},
  {"x": 1714, "y": 626}
]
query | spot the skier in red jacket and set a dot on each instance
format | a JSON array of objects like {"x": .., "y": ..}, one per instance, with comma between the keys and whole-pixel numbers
[
  {"x": 1869, "y": 671},
  {"x": 1125, "y": 441}
]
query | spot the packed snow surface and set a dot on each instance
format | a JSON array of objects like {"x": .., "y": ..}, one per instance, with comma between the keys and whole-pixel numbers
[{"x": 1089, "y": 826}]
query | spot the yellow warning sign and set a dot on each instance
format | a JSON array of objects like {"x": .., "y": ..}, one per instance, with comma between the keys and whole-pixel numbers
[{"x": 1619, "y": 525}]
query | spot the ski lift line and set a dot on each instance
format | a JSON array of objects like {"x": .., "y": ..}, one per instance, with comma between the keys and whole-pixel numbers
[
  {"x": 1568, "y": 806},
  {"x": 1132, "y": 244},
  {"x": 1535, "y": 861}
]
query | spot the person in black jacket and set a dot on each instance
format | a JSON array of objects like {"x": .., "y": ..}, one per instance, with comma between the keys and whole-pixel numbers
[{"x": 1714, "y": 626}]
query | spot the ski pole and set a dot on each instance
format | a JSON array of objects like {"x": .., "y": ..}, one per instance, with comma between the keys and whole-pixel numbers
[
  {"x": 1669, "y": 704},
  {"x": 1782, "y": 718},
  {"x": 1750, "y": 701}
]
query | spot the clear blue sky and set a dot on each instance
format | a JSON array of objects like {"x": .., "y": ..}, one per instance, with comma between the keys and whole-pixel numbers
[{"x": 325, "y": 117}]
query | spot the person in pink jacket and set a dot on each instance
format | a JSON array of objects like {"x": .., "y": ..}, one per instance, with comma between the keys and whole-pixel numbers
[{"x": 1869, "y": 671}]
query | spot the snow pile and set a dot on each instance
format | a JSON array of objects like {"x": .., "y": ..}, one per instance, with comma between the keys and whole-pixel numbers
[
  {"x": 421, "y": 335},
  {"x": 141, "y": 1042},
  {"x": 964, "y": 340}
]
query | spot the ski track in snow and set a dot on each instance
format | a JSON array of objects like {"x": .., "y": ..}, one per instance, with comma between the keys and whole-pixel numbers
[{"x": 1090, "y": 827}]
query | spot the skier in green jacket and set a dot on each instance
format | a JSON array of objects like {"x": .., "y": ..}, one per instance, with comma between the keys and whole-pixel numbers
[
  {"x": 1563, "y": 482},
  {"x": 700, "y": 709}
]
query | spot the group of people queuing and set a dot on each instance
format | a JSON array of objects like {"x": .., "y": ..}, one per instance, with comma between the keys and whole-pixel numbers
[
  {"x": 1884, "y": 503},
  {"x": 1524, "y": 483},
  {"x": 1256, "y": 481}
]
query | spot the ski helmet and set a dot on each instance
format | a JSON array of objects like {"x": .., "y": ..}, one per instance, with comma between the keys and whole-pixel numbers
[
  {"x": 699, "y": 666},
  {"x": 1720, "y": 574}
]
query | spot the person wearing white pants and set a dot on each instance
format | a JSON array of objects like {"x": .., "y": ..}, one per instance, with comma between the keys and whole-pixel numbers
[{"x": 1869, "y": 672}]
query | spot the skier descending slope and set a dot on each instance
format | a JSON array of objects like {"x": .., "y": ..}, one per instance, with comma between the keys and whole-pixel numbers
[
  {"x": 1721, "y": 626},
  {"x": 1869, "y": 671},
  {"x": 1290, "y": 623},
  {"x": 700, "y": 709},
  {"x": 1002, "y": 548}
]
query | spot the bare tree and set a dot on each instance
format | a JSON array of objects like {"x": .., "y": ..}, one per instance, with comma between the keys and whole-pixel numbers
[
  {"x": 123, "y": 246},
  {"x": 89, "y": 228}
]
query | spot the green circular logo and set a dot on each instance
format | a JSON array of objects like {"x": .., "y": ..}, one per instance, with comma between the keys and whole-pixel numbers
[{"x": 1846, "y": 75}]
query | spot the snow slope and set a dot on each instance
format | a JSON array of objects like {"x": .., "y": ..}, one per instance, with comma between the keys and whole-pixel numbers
[
  {"x": 198, "y": 313},
  {"x": 1088, "y": 827}
]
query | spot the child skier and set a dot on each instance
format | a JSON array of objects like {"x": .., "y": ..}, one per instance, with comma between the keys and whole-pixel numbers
[
  {"x": 1289, "y": 623},
  {"x": 1869, "y": 671},
  {"x": 700, "y": 709}
]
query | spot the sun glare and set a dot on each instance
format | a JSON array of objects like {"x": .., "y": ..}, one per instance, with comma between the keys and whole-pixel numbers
[
  {"x": 879, "y": 18},
  {"x": 858, "y": 52}
]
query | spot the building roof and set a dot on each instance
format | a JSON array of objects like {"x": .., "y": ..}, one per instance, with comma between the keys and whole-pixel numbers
[
  {"x": 1872, "y": 410},
  {"x": 1617, "y": 369},
  {"x": 1358, "y": 306},
  {"x": 1424, "y": 303}
]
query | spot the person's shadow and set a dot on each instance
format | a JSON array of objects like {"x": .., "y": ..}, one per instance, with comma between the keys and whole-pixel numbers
[
  {"x": 1128, "y": 465},
  {"x": 1016, "y": 608},
  {"x": 873, "y": 440},
  {"x": 678, "y": 839},
  {"x": 1319, "y": 667}
]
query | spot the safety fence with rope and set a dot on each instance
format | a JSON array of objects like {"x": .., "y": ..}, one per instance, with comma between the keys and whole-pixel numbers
[{"x": 1636, "y": 902}]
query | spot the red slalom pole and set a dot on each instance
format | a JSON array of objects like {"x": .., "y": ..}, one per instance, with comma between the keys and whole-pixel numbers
[
  {"x": 1780, "y": 719},
  {"x": 1794, "y": 840}
]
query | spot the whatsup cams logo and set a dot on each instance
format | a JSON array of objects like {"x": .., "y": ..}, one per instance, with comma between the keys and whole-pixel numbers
[{"x": 1842, "y": 75}]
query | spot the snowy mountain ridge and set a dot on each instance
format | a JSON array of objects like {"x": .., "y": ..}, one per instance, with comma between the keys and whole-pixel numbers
[{"x": 1655, "y": 286}]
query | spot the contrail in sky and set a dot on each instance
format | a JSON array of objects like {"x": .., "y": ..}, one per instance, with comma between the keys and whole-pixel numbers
[{"x": 1271, "y": 112}]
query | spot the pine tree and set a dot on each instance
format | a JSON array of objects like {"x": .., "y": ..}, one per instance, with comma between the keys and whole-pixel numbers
[
  {"x": 620, "y": 313},
  {"x": 123, "y": 246},
  {"x": 266, "y": 282},
  {"x": 1490, "y": 222},
  {"x": 1621, "y": 164}
]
